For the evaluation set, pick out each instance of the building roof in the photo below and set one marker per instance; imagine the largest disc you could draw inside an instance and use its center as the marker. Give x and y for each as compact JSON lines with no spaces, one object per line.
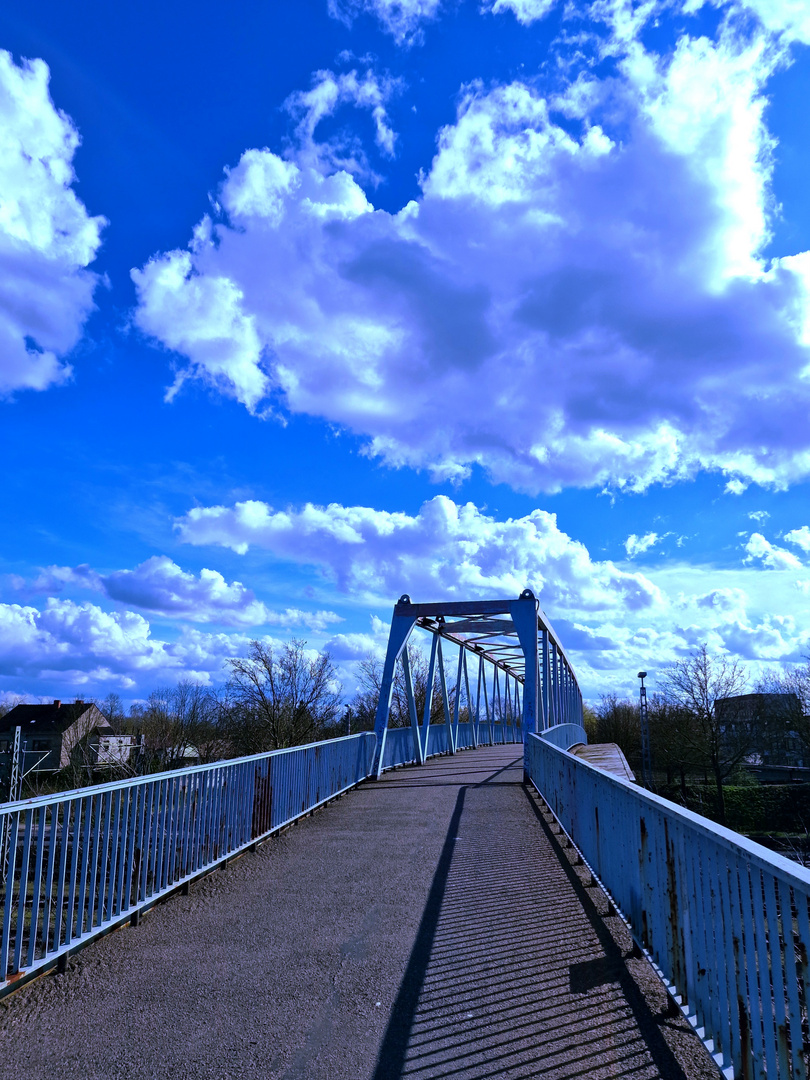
{"x":51,"y":719}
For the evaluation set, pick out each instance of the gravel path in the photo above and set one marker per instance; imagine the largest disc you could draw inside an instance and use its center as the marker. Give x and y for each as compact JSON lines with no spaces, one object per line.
{"x":424,"y":926}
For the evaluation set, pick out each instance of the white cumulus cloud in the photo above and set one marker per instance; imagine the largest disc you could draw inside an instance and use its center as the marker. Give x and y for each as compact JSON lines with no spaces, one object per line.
{"x":637,"y":545}
{"x":567,"y":303}
{"x":328,"y":92}
{"x":776,"y":558}
{"x":612,"y":622}
{"x":67,"y":637}
{"x":81,"y":645}
{"x":47,"y":238}
{"x":446,"y":550}
{"x":160,"y":585}
{"x":402,"y":19}
{"x":799,"y":537}
{"x":790,"y":18}
{"x":525,"y":11}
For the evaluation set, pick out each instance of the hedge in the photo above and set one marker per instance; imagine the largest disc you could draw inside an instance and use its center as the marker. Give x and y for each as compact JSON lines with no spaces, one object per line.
{"x":762,"y":808}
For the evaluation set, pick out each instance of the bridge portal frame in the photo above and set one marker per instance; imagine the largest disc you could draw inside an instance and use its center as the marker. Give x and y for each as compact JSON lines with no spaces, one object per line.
{"x":523,"y":647}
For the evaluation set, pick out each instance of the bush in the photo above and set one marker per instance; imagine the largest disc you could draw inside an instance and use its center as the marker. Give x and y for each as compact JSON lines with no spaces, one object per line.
{"x":766,"y":808}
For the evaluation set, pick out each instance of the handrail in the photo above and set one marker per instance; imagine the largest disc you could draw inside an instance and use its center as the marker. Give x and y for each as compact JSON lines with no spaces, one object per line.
{"x":725,"y":920}
{"x":400,"y":746}
{"x":565,"y":735}
{"x":184,"y":770}
{"x":82,"y":861}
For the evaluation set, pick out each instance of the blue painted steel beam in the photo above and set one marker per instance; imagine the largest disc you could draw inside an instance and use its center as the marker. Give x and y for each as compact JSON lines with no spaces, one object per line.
{"x":402,"y":623}
{"x":524,"y":617}
{"x":425,"y":734}
{"x":409,"y":694}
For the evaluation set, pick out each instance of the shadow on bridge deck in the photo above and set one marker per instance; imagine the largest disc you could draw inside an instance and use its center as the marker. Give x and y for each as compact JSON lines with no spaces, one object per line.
{"x":424,"y":926}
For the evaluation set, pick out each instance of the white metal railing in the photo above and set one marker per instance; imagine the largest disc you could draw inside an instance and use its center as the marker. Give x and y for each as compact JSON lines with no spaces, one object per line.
{"x":724,"y":919}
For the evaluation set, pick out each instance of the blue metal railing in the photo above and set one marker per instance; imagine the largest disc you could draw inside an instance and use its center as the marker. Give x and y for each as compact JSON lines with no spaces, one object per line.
{"x":724,"y":920}
{"x":400,"y":743}
{"x":565,"y":735}
{"x":81,"y":861}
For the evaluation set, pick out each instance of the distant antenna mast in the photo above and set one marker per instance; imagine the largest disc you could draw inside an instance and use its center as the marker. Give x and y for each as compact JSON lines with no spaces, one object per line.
{"x":646,"y":755}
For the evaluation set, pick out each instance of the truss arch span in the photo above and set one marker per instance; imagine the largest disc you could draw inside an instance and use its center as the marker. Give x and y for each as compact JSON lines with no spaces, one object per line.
{"x":512,"y":671}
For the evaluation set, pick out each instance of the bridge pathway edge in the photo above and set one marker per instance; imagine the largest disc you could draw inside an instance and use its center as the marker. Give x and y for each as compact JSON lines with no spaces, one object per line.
{"x":424,"y":926}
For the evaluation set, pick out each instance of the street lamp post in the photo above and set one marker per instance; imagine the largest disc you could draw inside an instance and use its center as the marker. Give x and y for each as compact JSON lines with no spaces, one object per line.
{"x":646,"y":755}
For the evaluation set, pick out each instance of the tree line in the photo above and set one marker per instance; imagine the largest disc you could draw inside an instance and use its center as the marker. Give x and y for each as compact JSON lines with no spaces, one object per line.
{"x":283,"y":696}
{"x":274,"y":697}
{"x":699,"y":727}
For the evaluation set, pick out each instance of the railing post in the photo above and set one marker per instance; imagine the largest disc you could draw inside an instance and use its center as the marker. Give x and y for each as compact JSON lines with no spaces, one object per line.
{"x":473,"y":716}
{"x":548,"y":723}
{"x":429,"y":699}
{"x":524,"y":618}
{"x":451,"y":746}
{"x":457,"y":702}
{"x":417,"y":737}
{"x":478,"y":700}
{"x":486,"y":704}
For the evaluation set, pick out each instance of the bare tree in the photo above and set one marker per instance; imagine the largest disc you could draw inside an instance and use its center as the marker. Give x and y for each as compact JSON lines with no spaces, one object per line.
{"x":671,"y":750}
{"x":716,"y":740}
{"x":617,"y":721}
{"x":9,"y":703}
{"x":369,"y":672}
{"x":590,"y":722}
{"x":113,"y":709}
{"x":282,"y":698}
{"x":175,"y":722}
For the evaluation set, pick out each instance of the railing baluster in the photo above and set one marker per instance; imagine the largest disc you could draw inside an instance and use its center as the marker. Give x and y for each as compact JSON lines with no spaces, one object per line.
{"x":68,"y":808}
{"x":753,"y":983}
{"x":726,"y":920}
{"x":90,"y":862}
{"x":145,"y":833}
{"x":33,"y":929}
{"x":794,"y":1015}
{"x":764,"y":973}
{"x":81,"y":829}
{"x":104,"y":860}
{"x":156,"y":846}
{"x":9,"y":927}
{"x":162,"y":825}
{"x":48,"y":898}
{"x":133,"y":845}
{"x":22,"y":895}
{"x":114,"y":846}
{"x":125,"y":799}
{"x":803,"y":954}
{"x":777,"y":975}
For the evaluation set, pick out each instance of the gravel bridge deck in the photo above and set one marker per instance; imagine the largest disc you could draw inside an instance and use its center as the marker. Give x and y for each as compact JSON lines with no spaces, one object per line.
{"x":427,"y":925}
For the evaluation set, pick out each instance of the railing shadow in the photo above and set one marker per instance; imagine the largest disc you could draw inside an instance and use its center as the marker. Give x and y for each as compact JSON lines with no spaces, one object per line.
{"x":513,"y":971}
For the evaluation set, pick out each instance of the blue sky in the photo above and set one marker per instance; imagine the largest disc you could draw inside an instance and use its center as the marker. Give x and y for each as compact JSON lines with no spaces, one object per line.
{"x":306,"y":305}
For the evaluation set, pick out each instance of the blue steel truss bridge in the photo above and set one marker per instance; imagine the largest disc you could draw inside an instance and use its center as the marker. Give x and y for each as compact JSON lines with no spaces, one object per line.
{"x":478,"y":900}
